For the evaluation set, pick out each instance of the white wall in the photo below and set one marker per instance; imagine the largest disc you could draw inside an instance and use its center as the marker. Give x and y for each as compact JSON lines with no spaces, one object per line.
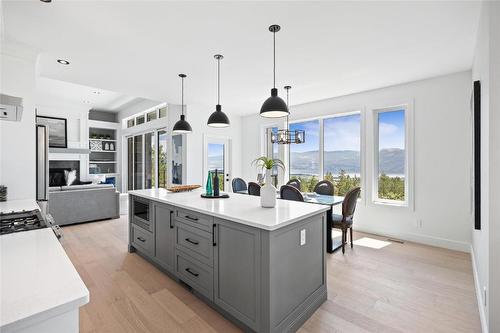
{"x":480,"y":238}
{"x":442,"y":157}
{"x":17,"y":139}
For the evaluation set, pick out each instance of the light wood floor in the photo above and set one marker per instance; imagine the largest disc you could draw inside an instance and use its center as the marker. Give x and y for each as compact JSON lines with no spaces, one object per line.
{"x":399,"y":288}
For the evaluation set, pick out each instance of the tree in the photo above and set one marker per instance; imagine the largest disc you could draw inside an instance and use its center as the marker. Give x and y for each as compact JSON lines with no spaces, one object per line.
{"x":392,"y":188}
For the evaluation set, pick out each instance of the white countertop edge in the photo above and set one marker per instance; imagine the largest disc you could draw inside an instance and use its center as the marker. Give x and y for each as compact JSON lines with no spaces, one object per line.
{"x":320,"y":210}
{"x":42,"y":316}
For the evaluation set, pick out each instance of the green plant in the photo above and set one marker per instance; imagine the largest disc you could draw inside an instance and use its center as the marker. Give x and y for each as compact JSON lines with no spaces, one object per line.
{"x":268,"y":163}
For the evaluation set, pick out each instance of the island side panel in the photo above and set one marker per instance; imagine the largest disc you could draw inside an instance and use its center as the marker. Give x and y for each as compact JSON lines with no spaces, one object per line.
{"x":297,"y":273}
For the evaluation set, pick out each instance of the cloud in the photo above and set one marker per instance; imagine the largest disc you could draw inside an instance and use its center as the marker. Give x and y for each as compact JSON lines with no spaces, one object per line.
{"x":387,"y":129}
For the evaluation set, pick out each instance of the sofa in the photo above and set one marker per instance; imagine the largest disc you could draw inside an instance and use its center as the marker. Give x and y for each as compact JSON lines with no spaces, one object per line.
{"x":83,"y":203}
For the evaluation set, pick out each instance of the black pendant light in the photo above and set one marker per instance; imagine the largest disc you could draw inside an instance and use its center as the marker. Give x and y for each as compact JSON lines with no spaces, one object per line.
{"x":286,"y":136}
{"x":274,"y":107}
{"x":218,"y":118}
{"x":182,"y":126}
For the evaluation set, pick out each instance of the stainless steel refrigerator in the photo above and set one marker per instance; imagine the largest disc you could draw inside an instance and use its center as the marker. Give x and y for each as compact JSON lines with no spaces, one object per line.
{"x":42,"y":167}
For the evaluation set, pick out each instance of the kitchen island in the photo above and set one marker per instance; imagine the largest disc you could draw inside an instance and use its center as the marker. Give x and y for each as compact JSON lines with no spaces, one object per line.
{"x":262,"y":268}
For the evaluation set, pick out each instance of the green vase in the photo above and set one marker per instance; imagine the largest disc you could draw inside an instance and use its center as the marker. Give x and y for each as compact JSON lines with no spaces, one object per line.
{"x":209,"y":187}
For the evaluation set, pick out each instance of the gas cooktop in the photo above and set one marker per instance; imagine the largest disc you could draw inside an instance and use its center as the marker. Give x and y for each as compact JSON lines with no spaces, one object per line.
{"x":21,"y":221}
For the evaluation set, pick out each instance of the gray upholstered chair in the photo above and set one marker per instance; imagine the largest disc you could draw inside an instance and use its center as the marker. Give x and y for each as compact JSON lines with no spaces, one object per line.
{"x":295,"y":183}
{"x":324,"y":187}
{"x":288,"y":192}
{"x":253,"y":189}
{"x":239,"y":185}
{"x":344,"y":221}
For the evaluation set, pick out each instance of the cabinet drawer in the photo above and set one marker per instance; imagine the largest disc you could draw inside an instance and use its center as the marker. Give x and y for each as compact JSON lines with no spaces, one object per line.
{"x":195,"y":242}
{"x":194,"y":273}
{"x":195,"y":219}
{"x":142,"y":239}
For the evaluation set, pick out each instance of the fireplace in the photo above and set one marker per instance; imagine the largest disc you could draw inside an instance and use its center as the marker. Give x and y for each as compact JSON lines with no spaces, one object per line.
{"x":56,"y":171}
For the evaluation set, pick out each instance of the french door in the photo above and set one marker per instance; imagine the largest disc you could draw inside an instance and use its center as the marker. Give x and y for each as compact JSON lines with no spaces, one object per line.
{"x":217,"y":157}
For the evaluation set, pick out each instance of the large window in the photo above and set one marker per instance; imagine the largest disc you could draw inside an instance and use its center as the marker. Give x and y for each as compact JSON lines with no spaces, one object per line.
{"x":215,"y":161}
{"x":162,"y":159}
{"x":391,"y":158}
{"x":177,"y":158}
{"x":149,"y":160}
{"x":305,"y":157}
{"x":342,"y":152}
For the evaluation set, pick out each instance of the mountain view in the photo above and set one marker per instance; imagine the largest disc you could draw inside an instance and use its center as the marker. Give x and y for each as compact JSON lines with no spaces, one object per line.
{"x":392,"y":162}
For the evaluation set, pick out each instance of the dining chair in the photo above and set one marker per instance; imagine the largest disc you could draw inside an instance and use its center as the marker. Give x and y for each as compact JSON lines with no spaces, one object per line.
{"x":239,"y":185}
{"x":295,"y":183}
{"x":324,"y":187}
{"x":289,"y":192}
{"x":253,"y":189}
{"x":345,"y":221}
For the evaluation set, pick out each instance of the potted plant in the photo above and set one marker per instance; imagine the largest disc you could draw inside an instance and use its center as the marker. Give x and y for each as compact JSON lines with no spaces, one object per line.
{"x":268,"y":191}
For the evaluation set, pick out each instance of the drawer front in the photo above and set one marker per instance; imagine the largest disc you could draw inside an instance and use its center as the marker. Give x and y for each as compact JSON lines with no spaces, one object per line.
{"x":194,"y":273}
{"x":195,"y":242}
{"x":195,"y":219}
{"x":143,"y":239}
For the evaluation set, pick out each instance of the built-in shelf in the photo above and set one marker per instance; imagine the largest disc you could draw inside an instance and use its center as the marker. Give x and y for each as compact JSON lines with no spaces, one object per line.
{"x":54,"y":150}
{"x":103,"y":151}
{"x":104,"y":174}
{"x":102,"y":161}
{"x":107,"y":140}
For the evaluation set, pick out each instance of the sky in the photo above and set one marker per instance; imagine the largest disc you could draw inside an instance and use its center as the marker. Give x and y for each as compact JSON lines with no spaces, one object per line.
{"x":215,"y":156}
{"x":343,"y":133}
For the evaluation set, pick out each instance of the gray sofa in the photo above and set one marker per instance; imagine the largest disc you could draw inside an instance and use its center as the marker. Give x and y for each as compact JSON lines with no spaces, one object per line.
{"x":83,"y":203}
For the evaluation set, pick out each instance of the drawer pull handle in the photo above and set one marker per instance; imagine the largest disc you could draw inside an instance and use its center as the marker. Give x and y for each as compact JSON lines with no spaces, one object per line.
{"x":171,"y":225}
{"x":192,"y":241}
{"x":191,"y":218}
{"x":213,"y":235}
{"x":141,"y":239}
{"x":191,"y":272}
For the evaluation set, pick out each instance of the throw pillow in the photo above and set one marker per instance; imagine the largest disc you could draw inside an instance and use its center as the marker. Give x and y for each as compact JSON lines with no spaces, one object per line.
{"x":70,"y":177}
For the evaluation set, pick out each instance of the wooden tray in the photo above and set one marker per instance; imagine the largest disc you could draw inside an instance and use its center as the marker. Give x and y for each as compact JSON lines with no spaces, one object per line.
{"x":183,"y":188}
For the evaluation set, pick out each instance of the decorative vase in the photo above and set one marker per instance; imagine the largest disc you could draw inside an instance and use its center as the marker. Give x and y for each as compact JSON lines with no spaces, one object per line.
{"x":268,"y":192}
{"x":215,"y":183}
{"x":208,"y":187}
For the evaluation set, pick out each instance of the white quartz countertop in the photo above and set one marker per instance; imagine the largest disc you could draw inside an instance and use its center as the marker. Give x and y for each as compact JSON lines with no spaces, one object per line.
{"x":18,"y":205}
{"x":37,"y":279}
{"x":240,"y":208}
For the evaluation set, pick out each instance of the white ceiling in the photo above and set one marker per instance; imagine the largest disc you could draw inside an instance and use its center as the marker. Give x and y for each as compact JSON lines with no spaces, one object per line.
{"x":325,"y":49}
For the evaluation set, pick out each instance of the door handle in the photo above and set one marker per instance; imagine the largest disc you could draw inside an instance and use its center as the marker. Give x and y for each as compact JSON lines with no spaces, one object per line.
{"x":191,"y":272}
{"x":170,"y":222}
{"x":192,"y":241}
{"x":191,"y":218}
{"x":213,"y":235}
{"x":141,"y":239}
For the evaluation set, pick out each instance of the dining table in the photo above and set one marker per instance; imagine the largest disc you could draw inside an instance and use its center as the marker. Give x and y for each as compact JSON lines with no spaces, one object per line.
{"x":321,"y":199}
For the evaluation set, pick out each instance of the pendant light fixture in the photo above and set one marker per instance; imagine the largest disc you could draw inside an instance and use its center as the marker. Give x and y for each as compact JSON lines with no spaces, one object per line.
{"x":218,"y":118}
{"x":274,"y":107}
{"x":285,"y":136}
{"x":182,"y":126}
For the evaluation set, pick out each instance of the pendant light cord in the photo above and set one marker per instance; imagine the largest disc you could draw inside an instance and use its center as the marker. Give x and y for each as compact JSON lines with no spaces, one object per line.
{"x":274,"y":59}
{"x":182,"y":95}
{"x":287,"y":105}
{"x":218,"y":80}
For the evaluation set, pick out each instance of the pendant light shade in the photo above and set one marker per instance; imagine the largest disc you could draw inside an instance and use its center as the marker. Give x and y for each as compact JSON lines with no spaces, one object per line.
{"x":274,"y":106}
{"x":182,"y":126}
{"x":218,"y":118}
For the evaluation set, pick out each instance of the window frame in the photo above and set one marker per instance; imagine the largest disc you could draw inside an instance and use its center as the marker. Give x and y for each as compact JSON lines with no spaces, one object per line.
{"x":409,"y":151}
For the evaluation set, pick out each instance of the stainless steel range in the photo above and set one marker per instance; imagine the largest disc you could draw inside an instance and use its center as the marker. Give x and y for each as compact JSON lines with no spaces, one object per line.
{"x":21,"y":221}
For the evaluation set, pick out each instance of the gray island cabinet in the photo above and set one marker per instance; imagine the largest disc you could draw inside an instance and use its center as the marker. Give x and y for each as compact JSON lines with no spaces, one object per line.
{"x":262,"y":268}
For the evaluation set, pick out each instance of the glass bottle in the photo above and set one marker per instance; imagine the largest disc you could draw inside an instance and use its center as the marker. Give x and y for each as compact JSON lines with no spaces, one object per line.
{"x":216,"y":184}
{"x":208,"y":188}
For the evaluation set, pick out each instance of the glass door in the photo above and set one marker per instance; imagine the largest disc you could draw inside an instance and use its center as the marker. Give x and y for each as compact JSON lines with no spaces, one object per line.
{"x":162,"y":159}
{"x":217,"y":158}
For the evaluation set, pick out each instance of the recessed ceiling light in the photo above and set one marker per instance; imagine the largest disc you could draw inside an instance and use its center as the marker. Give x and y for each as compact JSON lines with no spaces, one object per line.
{"x":61,"y":61}
{"x":86,"y":102}
{"x":97,"y":92}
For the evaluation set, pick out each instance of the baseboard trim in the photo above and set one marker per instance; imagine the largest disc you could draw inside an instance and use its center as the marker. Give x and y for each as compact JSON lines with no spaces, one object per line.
{"x":419,"y":238}
{"x":479,"y":293}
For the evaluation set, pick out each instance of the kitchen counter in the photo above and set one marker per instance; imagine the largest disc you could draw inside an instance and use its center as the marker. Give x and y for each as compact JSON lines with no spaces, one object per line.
{"x":40,"y":289}
{"x":18,"y":205}
{"x":244,"y":209}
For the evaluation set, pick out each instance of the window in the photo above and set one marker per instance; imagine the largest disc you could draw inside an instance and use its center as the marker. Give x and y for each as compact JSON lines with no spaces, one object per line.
{"x":149,"y":160}
{"x":163,"y":112}
{"x":391,"y":183}
{"x":305,"y":157}
{"x":177,"y":153}
{"x":152,"y":115}
{"x":272,"y":152}
{"x":215,"y":161}
{"x":162,"y":159}
{"x":139,"y":119}
{"x":130,"y":163}
{"x":137,"y":156}
{"x":130,"y":123}
{"x":341,"y":152}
